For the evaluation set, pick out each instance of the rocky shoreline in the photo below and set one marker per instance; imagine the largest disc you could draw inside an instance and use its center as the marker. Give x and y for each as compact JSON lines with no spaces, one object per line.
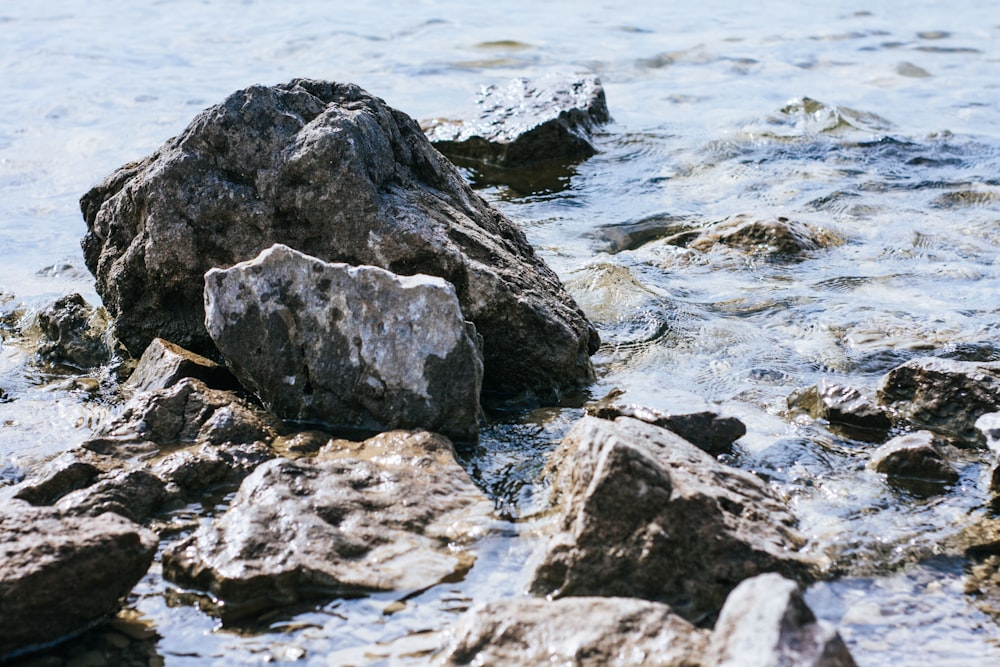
{"x":317,"y":301}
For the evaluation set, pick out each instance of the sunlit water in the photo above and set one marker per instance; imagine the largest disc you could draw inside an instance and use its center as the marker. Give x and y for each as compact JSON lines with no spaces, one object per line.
{"x":875,"y":122}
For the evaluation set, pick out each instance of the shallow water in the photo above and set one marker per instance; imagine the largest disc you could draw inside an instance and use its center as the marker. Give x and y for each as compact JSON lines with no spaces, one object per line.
{"x":876,"y":122}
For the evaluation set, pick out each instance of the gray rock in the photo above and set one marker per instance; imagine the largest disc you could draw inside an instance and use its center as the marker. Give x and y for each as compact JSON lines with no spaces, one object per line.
{"x":766,"y":623}
{"x":328,"y":169}
{"x":355,"y":347}
{"x":62,"y":574}
{"x":66,"y":473}
{"x":943,"y":395}
{"x":133,"y":494}
{"x":164,"y":364}
{"x":195,"y":470}
{"x":527,"y":121}
{"x":919,"y":456}
{"x":847,"y":410}
{"x":708,"y":431}
{"x":77,"y":334}
{"x":586,"y":632}
{"x":647,"y":514}
{"x":391,"y":513}
{"x":988,"y":426}
{"x":778,"y":239}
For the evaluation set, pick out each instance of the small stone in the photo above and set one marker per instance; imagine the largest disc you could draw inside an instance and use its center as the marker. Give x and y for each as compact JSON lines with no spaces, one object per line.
{"x":847,"y":410}
{"x":164,"y":364}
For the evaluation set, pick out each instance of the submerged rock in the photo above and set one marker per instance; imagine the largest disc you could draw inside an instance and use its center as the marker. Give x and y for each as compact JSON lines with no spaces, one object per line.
{"x":766,"y":623}
{"x":63,"y":574}
{"x":943,"y":395}
{"x":917,"y":456}
{"x":356,"y":347}
{"x":779,"y":238}
{"x":329,"y":169}
{"x":164,"y":364}
{"x":526,"y":122}
{"x":76,"y":333}
{"x":647,"y":514}
{"x":847,"y":410}
{"x":391,"y":513}
{"x":587,"y":632}
{"x":708,"y":431}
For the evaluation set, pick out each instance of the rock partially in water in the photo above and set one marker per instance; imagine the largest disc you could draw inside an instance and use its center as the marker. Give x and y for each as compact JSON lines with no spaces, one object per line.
{"x":328,"y":169}
{"x":766,"y":623}
{"x":780,"y":238}
{"x":622,"y":236}
{"x":647,"y":514}
{"x":988,"y":426}
{"x":587,"y":632}
{"x":708,"y":431}
{"x":847,"y":410}
{"x":63,"y":574}
{"x":917,"y":456}
{"x":391,"y":513}
{"x":526,"y":122}
{"x":943,"y":395}
{"x":76,"y":333}
{"x":164,"y":364}
{"x":354,"y":347}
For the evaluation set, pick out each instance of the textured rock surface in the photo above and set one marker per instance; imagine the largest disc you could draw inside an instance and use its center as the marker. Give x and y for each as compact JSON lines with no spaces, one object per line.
{"x":919,"y":456}
{"x":588,"y":632}
{"x":647,"y":514}
{"x":62,"y":574}
{"x":988,"y":426}
{"x":390,"y":513}
{"x":766,"y":623}
{"x":708,"y":431}
{"x":355,"y":347}
{"x":943,"y":395}
{"x":527,"y":121}
{"x":779,"y":238}
{"x":848,"y":411}
{"x":328,"y":169}
{"x":76,"y":333}
{"x":164,"y":364}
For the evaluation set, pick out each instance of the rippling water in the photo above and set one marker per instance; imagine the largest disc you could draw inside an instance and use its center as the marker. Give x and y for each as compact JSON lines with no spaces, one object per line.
{"x":875,"y":123}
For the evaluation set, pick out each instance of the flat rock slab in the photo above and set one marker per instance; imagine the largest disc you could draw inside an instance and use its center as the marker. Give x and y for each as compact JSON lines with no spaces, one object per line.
{"x":391,"y":513}
{"x":526,"y":122}
{"x":943,"y":395}
{"x":647,"y":514}
{"x":586,"y":632}
{"x":61,"y":574}
{"x":355,"y":347}
{"x":328,"y":169}
{"x":164,"y":364}
{"x":708,"y":431}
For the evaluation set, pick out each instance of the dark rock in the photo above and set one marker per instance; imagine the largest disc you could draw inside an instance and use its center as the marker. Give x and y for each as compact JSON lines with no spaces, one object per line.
{"x":647,"y":514}
{"x":63,"y":574}
{"x":943,"y":395}
{"x":329,"y":169}
{"x":77,"y":333}
{"x":196,"y":470}
{"x":354,"y":347}
{"x":622,"y":236}
{"x":708,"y":431}
{"x":847,"y":410}
{"x":777,"y":239}
{"x":919,"y":456}
{"x":526,"y":122}
{"x":586,"y":632}
{"x":67,"y":473}
{"x":133,"y":494}
{"x":390,"y":513}
{"x":766,"y":623}
{"x":164,"y":364}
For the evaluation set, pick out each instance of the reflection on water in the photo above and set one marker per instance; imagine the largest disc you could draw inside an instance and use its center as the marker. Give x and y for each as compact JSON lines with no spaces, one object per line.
{"x":876,"y":127}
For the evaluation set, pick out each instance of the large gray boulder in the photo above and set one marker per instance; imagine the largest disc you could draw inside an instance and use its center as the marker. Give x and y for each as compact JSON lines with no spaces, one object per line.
{"x":62,"y":574}
{"x":395,"y":512}
{"x":355,"y":347}
{"x":586,"y":632}
{"x":647,"y":514}
{"x":328,"y":169}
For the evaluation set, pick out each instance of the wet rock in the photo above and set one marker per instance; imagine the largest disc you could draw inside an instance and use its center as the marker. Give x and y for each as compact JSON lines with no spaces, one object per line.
{"x":62,"y":574}
{"x":329,"y":169}
{"x":779,"y":238}
{"x":133,"y":494}
{"x":647,"y":514}
{"x":193,"y":471}
{"x":164,"y":364}
{"x":622,"y":236}
{"x":354,"y":347}
{"x":77,"y":334}
{"x":527,"y":121}
{"x":588,"y":632}
{"x":63,"y":475}
{"x":919,"y":456}
{"x":943,"y":395}
{"x":847,"y":410}
{"x":766,"y":623}
{"x":391,"y":513}
{"x":708,"y":431}
{"x":988,"y":426}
